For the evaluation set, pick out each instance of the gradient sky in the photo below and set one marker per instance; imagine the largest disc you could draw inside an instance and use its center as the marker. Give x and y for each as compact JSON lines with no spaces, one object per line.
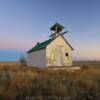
{"x":24,"y":22}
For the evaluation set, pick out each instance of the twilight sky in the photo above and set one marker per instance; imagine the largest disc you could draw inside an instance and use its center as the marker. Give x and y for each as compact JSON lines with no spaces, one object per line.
{"x":24,"y":22}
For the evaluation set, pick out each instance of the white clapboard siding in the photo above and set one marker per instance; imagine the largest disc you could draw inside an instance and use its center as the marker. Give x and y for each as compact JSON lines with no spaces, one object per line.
{"x":37,"y":58}
{"x":54,"y":47}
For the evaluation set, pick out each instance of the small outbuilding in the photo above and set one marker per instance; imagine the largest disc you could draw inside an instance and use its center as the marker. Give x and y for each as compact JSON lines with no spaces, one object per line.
{"x":56,"y":51}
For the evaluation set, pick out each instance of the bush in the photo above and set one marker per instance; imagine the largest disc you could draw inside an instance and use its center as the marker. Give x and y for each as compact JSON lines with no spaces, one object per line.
{"x":22,"y":60}
{"x":84,"y":67}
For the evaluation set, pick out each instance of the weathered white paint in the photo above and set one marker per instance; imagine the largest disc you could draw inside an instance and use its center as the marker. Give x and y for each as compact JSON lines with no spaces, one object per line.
{"x":58,"y":47}
{"x":37,"y":59}
{"x":52,"y":55}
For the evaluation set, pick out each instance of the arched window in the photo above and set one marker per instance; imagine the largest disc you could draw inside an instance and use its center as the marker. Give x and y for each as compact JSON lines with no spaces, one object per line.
{"x":52,"y":56}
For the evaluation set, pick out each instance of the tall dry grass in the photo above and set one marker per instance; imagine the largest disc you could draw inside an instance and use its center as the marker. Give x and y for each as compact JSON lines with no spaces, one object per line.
{"x":21,"y":83}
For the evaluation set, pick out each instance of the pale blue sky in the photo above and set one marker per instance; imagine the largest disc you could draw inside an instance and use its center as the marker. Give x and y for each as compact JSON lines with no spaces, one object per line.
{"x":24,"y":22}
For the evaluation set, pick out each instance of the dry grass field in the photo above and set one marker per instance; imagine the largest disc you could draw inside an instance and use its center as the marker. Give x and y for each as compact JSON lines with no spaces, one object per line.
{"x":8,"y":63}
{"x":18,"y":82}
{"x":87,"y":63}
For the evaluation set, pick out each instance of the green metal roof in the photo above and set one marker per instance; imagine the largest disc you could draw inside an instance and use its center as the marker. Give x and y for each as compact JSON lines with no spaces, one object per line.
{"x":40,"y":46}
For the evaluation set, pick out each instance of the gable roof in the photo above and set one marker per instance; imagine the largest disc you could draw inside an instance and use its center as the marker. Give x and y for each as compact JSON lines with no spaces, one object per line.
{"x":40,"y":46}
{"x":44,"y":44}
{"x":67,"y":42}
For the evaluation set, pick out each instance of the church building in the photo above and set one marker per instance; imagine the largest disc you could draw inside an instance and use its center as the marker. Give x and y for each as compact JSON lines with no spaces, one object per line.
{"x":55,"y":51}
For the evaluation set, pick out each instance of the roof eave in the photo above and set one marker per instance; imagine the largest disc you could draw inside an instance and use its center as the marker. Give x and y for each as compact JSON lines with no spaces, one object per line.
{"x":68,"y":43}
{"x":35,"y":50}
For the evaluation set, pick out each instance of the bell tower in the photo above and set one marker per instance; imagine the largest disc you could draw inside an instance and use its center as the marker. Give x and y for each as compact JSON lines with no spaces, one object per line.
{"x":56,"y":30}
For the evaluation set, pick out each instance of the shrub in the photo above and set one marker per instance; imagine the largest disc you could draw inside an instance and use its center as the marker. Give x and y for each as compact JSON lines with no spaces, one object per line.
{"x":84,"y":67}
{"x":22,"y":60}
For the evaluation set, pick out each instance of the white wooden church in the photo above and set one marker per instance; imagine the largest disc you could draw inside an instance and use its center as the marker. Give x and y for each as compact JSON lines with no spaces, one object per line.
{"x":56,"y":51}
